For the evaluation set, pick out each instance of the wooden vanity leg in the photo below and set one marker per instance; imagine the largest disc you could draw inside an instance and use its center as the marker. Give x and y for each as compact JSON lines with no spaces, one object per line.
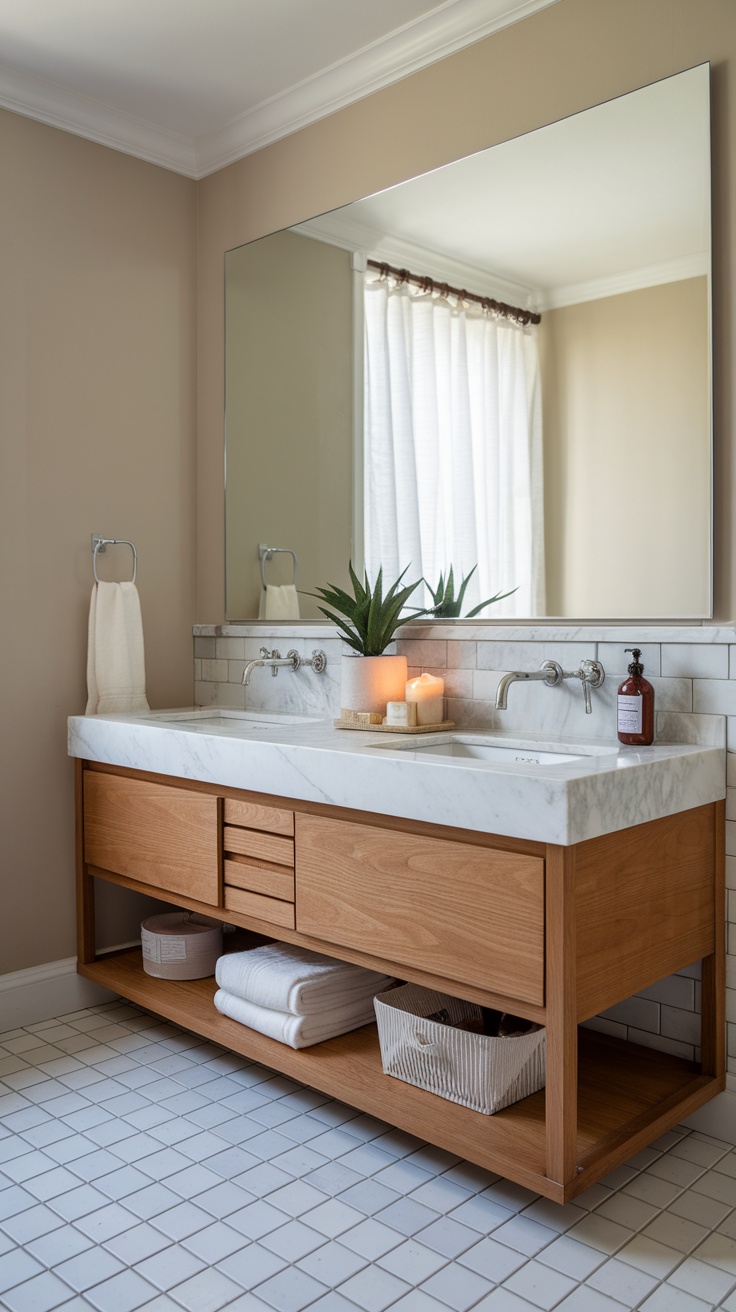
{"x":86,"y":951}
{"x":713,"y":985}
{"x":562,"y":1031}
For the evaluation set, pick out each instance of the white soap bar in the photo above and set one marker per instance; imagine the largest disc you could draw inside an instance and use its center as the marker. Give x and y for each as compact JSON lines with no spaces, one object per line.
{"x":401,"y":713}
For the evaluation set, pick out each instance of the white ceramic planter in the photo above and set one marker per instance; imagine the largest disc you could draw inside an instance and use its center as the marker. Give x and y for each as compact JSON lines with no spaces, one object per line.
{"x":369,"y":682}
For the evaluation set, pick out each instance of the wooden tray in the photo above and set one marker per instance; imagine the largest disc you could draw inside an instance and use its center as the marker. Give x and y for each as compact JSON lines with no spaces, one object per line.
{"x":395,"y":728}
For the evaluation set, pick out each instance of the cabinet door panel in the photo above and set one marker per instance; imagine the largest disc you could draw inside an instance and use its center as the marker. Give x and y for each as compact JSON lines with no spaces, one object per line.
{"x":469,"y":913}
{"x":166,"y":837}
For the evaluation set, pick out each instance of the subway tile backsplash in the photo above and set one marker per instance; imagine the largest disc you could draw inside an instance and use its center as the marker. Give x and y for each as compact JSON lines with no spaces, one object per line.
{"x":692,"y":669}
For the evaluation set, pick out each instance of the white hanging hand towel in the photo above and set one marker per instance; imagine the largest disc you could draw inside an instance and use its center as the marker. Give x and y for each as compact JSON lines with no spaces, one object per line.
{"x":116,"y":676}
{"x":279,"y":602}
{"x":284,"y":977}
{"x":296,"y":1031}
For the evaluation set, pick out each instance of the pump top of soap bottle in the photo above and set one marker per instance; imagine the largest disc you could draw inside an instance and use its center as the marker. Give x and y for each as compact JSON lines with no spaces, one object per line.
{"x":636,"y":668}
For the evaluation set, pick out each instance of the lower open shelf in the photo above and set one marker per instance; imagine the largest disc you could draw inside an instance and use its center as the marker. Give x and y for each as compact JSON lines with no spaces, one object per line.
{"x":627,"y":1094}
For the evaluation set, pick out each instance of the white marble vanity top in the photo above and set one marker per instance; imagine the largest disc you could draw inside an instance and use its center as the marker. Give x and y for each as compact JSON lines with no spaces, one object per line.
{"x":610,"y":789}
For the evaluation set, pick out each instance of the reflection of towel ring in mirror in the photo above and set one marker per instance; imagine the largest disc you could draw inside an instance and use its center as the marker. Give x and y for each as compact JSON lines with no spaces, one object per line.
{"x":267,"y":553}
{"x":99,"y":544}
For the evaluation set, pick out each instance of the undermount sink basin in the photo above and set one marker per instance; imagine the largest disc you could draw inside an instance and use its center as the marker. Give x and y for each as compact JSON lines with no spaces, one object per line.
{"x":231,"y":719}
{"x":472,"y":749}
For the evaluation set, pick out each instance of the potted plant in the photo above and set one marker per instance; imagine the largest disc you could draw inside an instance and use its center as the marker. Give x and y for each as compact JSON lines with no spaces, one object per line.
{"x":368,"y":621}
{"x":449,"y":607}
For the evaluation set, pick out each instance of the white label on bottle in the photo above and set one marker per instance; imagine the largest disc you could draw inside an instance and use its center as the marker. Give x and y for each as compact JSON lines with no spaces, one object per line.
{"x":630,"y":714}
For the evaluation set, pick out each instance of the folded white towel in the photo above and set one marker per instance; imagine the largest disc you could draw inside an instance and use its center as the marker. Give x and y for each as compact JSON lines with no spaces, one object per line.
{"x":116,"y":677}
{"x":293,"y":979}
{"x":296,"y":1031}
{"x":279,"y":602}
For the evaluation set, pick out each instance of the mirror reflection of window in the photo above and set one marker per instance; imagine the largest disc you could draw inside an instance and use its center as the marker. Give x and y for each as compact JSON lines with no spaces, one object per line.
{"x":452,"y":442}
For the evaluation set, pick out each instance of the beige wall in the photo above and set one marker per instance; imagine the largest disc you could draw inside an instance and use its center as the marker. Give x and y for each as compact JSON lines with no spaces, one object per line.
{"x":289,"y":416}
{"x":569,"y":56}
{"x":626,"y":423}
{"x":97,"y":394}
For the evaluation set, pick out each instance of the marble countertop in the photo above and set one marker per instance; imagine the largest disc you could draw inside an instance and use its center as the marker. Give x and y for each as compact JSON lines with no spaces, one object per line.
{"x":611,"y":789}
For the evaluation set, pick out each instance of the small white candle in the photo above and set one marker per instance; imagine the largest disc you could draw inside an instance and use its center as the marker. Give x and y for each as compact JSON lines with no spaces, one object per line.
{"x":428,"y":692}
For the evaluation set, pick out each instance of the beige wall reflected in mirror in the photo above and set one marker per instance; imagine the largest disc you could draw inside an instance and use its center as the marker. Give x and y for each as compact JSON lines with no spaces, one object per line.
{"x":602,"y":222}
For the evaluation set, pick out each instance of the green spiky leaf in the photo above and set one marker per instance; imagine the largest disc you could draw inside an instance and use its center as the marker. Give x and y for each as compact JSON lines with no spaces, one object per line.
{"x":368,"y":620}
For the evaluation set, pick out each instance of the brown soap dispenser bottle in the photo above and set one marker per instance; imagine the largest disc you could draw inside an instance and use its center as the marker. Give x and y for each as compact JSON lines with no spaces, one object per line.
{"x":635,"y":706}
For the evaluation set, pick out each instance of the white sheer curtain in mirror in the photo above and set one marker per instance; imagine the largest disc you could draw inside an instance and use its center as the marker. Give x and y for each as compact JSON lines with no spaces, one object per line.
{"x":452,"y":446}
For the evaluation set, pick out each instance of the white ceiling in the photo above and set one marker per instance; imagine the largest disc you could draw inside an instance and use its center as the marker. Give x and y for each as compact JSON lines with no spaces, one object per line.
{"x":195,"y":84}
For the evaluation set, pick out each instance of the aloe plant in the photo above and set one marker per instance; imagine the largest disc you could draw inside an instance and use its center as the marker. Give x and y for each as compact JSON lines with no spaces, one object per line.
{"x":447,"y":606}
{"x":368,"y":619}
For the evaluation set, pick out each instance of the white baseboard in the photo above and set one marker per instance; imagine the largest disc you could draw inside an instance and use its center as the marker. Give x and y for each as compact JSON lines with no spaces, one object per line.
{"x":44,"y":992}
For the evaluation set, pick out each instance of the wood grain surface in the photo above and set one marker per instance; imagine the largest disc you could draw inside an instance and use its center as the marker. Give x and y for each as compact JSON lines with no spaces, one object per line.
{"x":472,"y":914}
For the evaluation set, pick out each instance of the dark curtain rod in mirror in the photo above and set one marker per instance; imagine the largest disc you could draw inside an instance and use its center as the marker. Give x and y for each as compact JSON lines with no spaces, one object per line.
{"x":428,"y":284}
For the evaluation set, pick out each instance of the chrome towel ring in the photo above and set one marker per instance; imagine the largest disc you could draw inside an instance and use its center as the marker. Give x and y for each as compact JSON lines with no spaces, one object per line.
{"x":100,"y":544}
{"x":267,"y":553}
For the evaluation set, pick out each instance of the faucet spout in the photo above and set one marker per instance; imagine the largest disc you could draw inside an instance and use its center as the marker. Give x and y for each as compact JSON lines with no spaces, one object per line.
{"x":273,"y":660}
{"x":591,"y":675}
{"x":549,"y":672}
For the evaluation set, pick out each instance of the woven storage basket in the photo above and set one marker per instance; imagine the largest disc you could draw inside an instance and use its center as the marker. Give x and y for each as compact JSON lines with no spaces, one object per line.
{"x":472,"y":1069}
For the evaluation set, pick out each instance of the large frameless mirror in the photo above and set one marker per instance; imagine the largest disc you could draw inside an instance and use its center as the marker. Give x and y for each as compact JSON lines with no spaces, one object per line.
{"x":395,"y":422}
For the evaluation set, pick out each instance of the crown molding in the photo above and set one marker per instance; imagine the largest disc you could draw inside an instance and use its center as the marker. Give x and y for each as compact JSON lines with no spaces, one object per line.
{"x":459,"y":23}
{"x":452,"y":27}
{"x":631,"y":280}
{"x":48,"y":102}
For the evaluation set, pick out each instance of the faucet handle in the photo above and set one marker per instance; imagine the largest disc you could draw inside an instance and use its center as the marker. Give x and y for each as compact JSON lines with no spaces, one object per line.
{"x":592,"y":675}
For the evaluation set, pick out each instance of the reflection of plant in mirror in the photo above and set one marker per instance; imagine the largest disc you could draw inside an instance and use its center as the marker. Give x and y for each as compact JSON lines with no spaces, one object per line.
{"x":368,"y":620}
{"x":449,"y":607}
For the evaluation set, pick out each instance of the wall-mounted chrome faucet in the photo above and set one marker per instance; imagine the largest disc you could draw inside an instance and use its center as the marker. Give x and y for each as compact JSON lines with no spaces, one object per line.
{"x":275,"y":661}
{"x":590,"y":673}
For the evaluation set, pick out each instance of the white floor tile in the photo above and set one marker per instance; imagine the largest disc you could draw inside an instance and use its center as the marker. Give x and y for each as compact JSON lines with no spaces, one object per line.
{"x":40,"y":1294}
{"x":651,"y":1256}
{"x":623,"y":1282}
{"x":206,"y":1292}
{"x":412,"y":1261}
{"x":88,"y":1268}
{"x":456,"y":1287}
{"x":540,"y":1285}
{"x":332,"y":1263}
{"x":669,"y":1299}
{"x":169,"y":1267}
{"x":143,"y":1168}
{"x":123,"y":1293}
{"x":492,"y":1260}
{"x":374,"y":1290}
{"x":292,"y":1241}
{"x":703,"y":1280}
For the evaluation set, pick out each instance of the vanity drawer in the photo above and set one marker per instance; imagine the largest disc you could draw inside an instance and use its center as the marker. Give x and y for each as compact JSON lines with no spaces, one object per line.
{"x":267,"y":847}
{"x":259,"y":862}
{"x":272,"y":880}
{"x":155,"y":834}
{"x":473,"y":914}
{"x":269,"y":909}
{"x":271,"y":819}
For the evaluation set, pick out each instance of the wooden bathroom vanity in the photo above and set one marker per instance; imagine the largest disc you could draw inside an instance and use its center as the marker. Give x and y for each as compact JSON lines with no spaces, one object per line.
{"x":553,"y":933}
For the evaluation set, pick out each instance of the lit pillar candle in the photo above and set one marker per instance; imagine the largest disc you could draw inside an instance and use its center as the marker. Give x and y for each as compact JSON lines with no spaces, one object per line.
{"x":428,"y":692}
